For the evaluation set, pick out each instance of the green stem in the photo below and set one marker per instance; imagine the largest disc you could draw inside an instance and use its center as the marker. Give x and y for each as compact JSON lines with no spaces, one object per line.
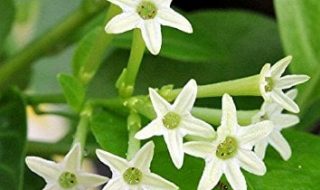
{"x":83,"y":126}
{"x":97,"y":51}
{"x":126,"y":87}
{"x":43,"y":44}
{"x":248,"y":86}
{"x":48,"y":99}
{"x":134,"y":125}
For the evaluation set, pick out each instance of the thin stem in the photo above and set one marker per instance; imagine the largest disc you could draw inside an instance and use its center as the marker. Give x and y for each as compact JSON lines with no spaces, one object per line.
{"x":248,"y":86}
{"x":38,"y":111}
{"x":43,"y":44}
{"x":83,"y":126}
{"x":134,"y":125}
{"x":47,"y":98}
{"x":126,"y":87}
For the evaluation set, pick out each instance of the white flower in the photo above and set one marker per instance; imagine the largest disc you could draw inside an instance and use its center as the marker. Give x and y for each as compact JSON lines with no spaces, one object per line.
{"x":273,"y":112}
{"x":134,"y":174}
{"x":175,"y":121}
{"x":65,"y":175}
{"x":148,"y":15}
{"x":230,"y":151}
{"x":272,"y":84}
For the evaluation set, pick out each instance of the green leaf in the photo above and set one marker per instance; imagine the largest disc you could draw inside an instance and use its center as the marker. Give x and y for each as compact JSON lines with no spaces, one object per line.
{"x":12,"y":141}
{"x":111,"y":132}
{"x":298,"y":21}
{"x":7,"y":13}
{"x":73,"y":90}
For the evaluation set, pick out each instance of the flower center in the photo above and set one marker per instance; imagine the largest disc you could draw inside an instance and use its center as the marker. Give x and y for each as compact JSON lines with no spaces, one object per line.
{"x":132,"y":176}
{"x":147,"y":10}
{"x":67,"y":180}
{"x":227,"y":149}
{"x":171,"y":120}
{"x":270,"y":84}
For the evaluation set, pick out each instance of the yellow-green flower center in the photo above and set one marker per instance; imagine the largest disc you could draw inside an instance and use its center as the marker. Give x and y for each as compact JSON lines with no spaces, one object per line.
{"x":270,"y":84}
{"x":132,"y":176}
{"x":147,"y":10}
{"x":67,"y":180}
{"x":171,"y":120}
{"x":227,"y":149}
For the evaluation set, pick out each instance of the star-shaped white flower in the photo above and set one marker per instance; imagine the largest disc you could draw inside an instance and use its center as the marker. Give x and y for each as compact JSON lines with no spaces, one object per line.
{"x":272,"y":84}
{"x":230,"y":151}
{"x":148,"y":15}
{"x":175,"y":121}
{"x":273,"y":113}
{"x":134,"y":174}
{"x":66,"y":175}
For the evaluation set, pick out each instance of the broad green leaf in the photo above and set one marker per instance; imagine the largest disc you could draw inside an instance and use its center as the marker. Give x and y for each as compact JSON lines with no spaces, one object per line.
{"x":73,"y":90}
{"x":7,"y":13}
{"x":12,"y":141}
{"x":110,"y":131}
{"x":299,"y":28}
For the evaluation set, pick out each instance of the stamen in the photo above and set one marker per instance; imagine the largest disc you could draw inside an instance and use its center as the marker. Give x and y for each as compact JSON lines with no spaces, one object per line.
{"x":68,"y":180}
{"x":227,"y":149}
{"x":132,"y":176}
{"x":147,"y":10}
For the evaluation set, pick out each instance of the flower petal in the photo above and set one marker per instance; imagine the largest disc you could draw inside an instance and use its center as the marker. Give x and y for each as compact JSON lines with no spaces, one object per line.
{"x":144,"y":156}
{"x":279,"y":67}
{"x":229,"y":113}
{"x":280,"y":144}
{"x":169,"y":17}
{"x":175,"y":146}
{"x":292,"y":94}
{"x":234,"y":176}
{"x":197,"y":127}
{"x":123,"y":23}
{"x":252,"y":134}
{"x":50,"y":187}
{"x":116,"y":184}
{"x":116,"y":164}
{"x":91,"y":180}
{"x":251,"y":162}
{"x":72,"y":161}
{"x":186,"y":98}
{"x":160,"y":105}
{"x":261,"y":148}
{"x":151,"y":34}
{"x":49,"y":170}
{"x":156,"y":182}
{"x":199,"y":149}
{"x":163,"y":3}
{"x":285,"y":120}
{"x":211,"y":175}
{"x":124,"y":4}
{"x":283,"y":100}
{"x":291,"y":80}
{"x":152,"y":129}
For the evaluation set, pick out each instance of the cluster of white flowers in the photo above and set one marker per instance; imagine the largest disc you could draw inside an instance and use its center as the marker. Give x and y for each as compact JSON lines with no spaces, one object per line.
{"x":225,"y":152}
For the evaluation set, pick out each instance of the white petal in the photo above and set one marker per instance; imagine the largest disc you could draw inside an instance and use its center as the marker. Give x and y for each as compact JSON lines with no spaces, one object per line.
{"x":197,"y":127}
{"x":252,"y":134}
{"x":116,"y":184}
{"x":291,"y":80}
{"x":279,"y":67}
{"x":116,"y":164}
{"x":160,"y":105}
{"x":211,"y":175}
{"x":151,"y":33}
{"x":292,"y":94}
{"x":155,"y":182}
{"x":124,"y":4}
{"x":175,"y":146}
{"x":163,"y":4}
{"x":50,"y":187}
{"x":143,"y":157}
{"x":285,"y":120}
{"x":261,"y":148}
{"x":251,"y":162}
{"x":199,"y":149}
{"x":229,"y":113}
{"x":72,"y":161}
{"x":186,"y":98}
{"x":169,"y":17}
{"x":264,"y":74}
{"x":123,"y":23}
{"x":234,"y":176}
{"x":49,"y":170}
{"x":280,"y":144}
{"x":91,"y":180}
{"x":283,"y":100}
{"x":152,"y":129}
